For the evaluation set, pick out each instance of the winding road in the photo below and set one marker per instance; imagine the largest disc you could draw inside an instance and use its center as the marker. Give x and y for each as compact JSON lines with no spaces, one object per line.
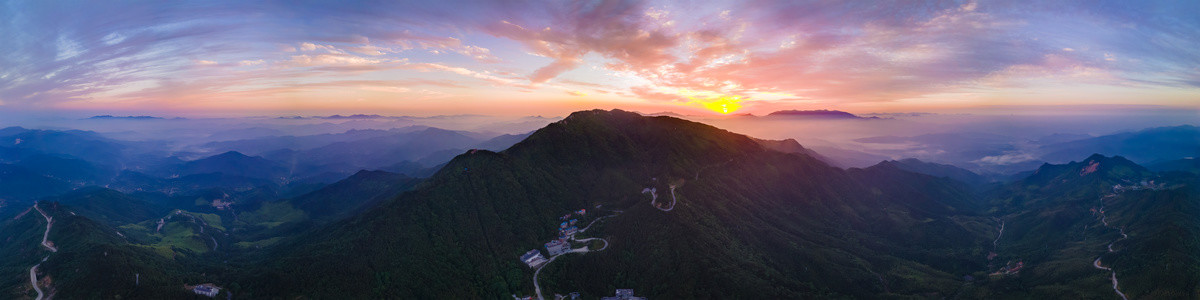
{"x":537,"y":288}
{"x":673,"y":200}
{"x":654,"y":198}
{"x":1096,"y":263}
{"x":998,"y":235}
{"x":653,"y":194}
{"x":33,"y":280}
{"x":46,"y":236}
{"x":594,"y":222}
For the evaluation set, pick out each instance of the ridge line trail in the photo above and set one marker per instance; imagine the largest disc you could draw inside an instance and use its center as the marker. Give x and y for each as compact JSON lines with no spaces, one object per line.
{"x":46,"y":236}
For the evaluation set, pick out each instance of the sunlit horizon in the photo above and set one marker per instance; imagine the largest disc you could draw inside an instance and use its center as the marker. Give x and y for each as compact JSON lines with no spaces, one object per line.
{"x":233,"y":58}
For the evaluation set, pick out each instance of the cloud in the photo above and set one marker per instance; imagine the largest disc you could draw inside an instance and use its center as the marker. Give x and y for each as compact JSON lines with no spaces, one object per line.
{"x":618,"y":30}
{"x":331,"y":59}
{"x":1006,"y":159}
{"x":826,"y":52}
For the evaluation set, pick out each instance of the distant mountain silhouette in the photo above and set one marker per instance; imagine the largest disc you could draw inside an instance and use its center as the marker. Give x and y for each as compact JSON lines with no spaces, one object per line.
{"x":1144,"y":146}
{"x":816,"y":114}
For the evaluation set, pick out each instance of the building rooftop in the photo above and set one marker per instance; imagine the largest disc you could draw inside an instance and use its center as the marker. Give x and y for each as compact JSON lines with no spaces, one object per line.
{"x":531,"y":254}
{"x":623,"y":294}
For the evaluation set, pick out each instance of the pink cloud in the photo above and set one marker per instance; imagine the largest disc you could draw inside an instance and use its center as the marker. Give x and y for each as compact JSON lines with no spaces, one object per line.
{"x":613,"y":29}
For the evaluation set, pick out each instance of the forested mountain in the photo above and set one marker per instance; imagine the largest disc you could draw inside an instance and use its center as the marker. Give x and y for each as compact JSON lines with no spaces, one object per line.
{"x":1143,"y":146}
{"x":792,"y":146}
{"x":19,"y":183}
{"x":354,"y":194}
{"x":670,"y":208}
{"x":940,"y":170}
{"x":88,"y":260}
{"x":1068,"y":223}
{"x":230,"y":163}
{"x":109,"y":206}
{"x":777,"y":225}
{"x":1190,"y":165}
{"x":76,"y":143}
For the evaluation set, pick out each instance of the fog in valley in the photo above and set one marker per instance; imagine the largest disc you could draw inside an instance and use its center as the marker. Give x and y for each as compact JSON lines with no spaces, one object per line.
{"x":997,"y":144}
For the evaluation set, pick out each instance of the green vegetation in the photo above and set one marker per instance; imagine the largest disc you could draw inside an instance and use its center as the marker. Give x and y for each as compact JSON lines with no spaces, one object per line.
{"x":749,"y":223}
{"x":272,"y":214}
{"x":1054,"y":226}
{"x":753,"y":219}
{"x":92,"y":260}
{"x":259,"y":243}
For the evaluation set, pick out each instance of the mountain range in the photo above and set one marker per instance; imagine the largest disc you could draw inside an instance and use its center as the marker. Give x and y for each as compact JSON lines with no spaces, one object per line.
{"x":671,"y":208}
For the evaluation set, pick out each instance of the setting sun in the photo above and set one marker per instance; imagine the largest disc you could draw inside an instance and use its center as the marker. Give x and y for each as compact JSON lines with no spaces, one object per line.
{"x":456,"y":149}
{"x":723,"y":104}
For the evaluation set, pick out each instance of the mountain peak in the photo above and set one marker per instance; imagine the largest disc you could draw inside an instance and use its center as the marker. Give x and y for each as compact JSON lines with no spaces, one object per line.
{"x":1115,"y":168}
{"x":374,"y":173}
{"x":12,"y":130}
{"x":601,"y":114}
{"x":229,"y":155}
{"x":817,"y":114}
{"x":623,"y":137}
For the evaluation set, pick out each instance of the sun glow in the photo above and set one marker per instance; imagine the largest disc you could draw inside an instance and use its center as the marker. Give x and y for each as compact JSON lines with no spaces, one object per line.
{"x":722,"y":104}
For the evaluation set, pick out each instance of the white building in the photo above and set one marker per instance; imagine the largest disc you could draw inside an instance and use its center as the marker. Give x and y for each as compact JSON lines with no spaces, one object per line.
{"x":207,"y":290}
{"x":533,"y":258}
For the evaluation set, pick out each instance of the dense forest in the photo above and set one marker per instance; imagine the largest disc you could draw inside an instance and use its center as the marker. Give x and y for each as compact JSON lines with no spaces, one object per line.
{"x":681,"y":210}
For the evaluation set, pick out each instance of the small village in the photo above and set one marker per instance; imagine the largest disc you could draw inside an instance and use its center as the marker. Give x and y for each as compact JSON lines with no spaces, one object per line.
{"x":561,"y":245}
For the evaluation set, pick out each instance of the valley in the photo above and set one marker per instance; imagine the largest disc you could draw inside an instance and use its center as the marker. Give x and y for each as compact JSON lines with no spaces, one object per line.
{"x":753,"y":221}
{"x":599,"y":149}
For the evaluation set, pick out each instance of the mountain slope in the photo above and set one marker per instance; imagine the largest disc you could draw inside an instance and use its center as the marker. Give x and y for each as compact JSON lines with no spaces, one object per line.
{"x":792,"y":146}
{"x":1144,"y":146}
{"x":354,"y":194}
{"x":92,"y":260}
{"x":18,"y":183}
{"x":109,"y":206}
{"x":775,"y":225}
{"x":817,"y":114}
{"x":232,"y":163}
{"x":68,"y":169}
{"x":86,"y":145}
{"x":501,"y":142}
{"x":940,"y":170}
{"x":1189,"y":164}
{"x":1065,"y":219}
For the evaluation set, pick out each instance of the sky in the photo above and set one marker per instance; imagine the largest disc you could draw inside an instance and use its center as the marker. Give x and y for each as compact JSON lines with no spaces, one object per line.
{"x":510,"y":57}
